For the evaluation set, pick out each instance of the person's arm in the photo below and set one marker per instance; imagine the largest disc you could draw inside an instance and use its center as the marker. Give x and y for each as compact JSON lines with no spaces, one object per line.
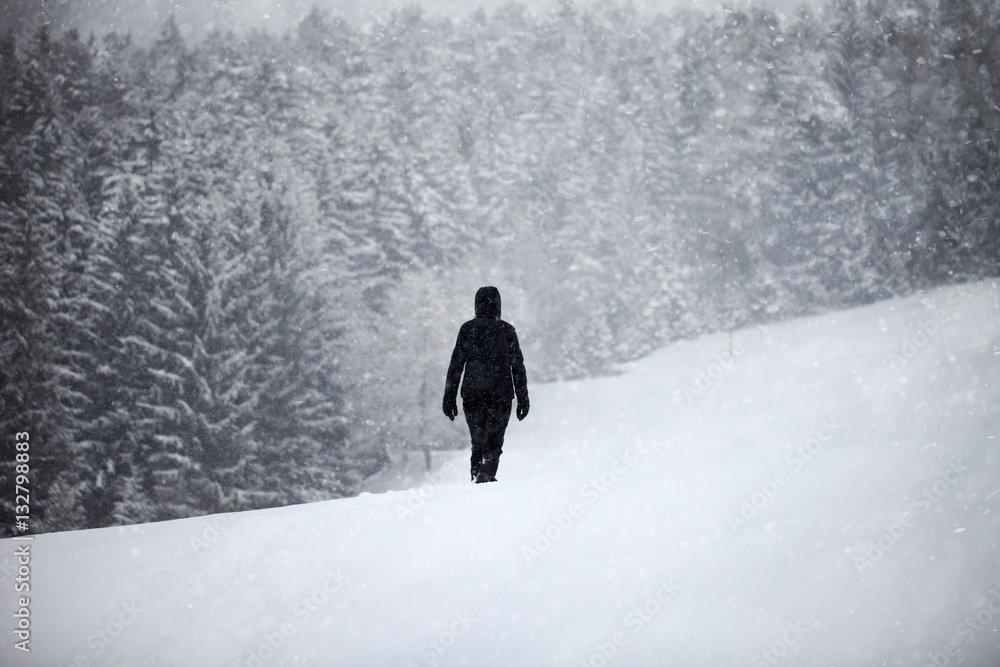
{"x":453,"y":379}
{"x":519,"y":376}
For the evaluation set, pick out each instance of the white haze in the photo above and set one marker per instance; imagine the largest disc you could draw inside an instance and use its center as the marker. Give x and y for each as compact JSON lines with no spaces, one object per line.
{"x":143,"y":19}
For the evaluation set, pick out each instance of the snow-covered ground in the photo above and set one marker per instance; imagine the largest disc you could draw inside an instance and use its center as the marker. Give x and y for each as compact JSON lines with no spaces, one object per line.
{"x":824,"y":491}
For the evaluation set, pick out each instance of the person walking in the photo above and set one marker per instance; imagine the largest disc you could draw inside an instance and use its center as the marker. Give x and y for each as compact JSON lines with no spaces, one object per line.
{"x":487,"y":360}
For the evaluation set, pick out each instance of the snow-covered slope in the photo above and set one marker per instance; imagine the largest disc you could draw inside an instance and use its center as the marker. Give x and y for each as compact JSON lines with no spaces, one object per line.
{"x":824,"y":491}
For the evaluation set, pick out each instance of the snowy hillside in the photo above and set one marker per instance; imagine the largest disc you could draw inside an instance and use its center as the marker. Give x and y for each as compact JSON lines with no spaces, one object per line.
{"x":824,"y":491}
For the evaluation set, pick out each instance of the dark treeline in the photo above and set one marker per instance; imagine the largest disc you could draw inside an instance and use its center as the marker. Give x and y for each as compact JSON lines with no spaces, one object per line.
{"x":229,"y":268}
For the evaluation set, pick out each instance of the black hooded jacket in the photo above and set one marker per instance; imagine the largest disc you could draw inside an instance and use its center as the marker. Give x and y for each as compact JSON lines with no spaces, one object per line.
{"x":488,"y":352}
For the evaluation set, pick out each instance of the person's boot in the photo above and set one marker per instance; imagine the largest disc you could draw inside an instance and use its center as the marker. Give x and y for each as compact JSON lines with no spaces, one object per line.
{"x":488,"y":470}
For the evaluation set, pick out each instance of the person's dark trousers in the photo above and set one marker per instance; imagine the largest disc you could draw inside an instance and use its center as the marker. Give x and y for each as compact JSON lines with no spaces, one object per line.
{"x":487,"y":424}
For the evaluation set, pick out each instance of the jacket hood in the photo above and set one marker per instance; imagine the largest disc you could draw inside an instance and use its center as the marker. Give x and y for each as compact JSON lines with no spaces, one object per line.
{"x":488,"y":302}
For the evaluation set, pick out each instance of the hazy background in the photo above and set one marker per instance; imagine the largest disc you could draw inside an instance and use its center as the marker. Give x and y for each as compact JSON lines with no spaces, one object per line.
{"x":143,"y":18}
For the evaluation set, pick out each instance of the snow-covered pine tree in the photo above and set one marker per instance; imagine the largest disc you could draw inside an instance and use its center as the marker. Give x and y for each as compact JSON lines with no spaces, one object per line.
{"x":811,"y":224}
{"x":148,"y":320}
{"x":962,"y":116}
{"x":47,"y":239}
{"x":863,"y":64}
{"x":665,"y":302}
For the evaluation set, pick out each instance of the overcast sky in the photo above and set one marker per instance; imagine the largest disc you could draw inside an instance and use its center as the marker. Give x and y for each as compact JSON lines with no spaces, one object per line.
{"x":196,"y":17}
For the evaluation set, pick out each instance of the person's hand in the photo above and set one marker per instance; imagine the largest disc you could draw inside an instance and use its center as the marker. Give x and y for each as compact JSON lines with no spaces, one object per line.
{"x":522,"y":409}
{"x":450,"y":408}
